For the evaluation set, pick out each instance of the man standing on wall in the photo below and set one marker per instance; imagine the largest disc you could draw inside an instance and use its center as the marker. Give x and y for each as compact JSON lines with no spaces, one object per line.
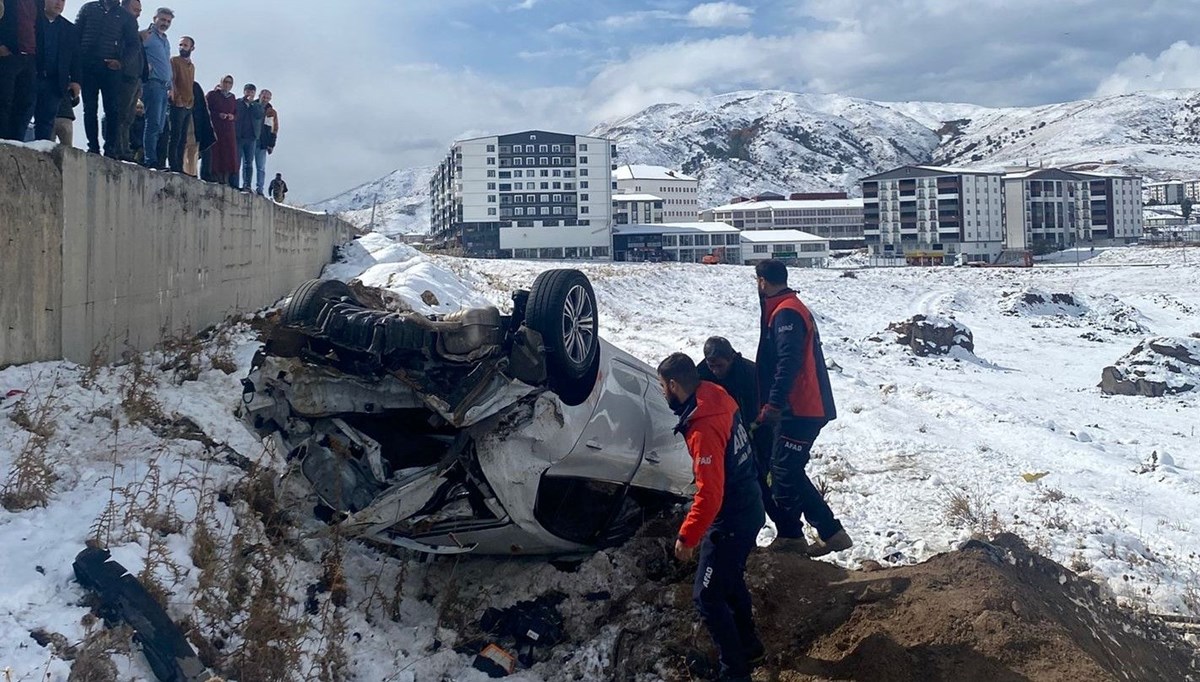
{"x":133,"y":72}
{"x":107,"y":37}
{"x":183,"y":98}
{"x":58,"y":68}
{"x":797,"y":403}
{"x":726,"y":512}
{"x":18,"y":65}
{"x":249,"y":123}
{"x":157,"y":84}
{"x":266,"y":139}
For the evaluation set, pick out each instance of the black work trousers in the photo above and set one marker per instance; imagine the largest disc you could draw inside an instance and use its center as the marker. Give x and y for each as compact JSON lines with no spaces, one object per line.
{"x":17,"y":75}
{"x":721,"y":596}
{"x":180,"y":121}
{"x":795,"y":497}
{"x":101,"y":81}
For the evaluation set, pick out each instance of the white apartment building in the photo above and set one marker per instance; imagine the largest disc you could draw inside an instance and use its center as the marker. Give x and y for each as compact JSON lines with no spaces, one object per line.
{"x":838,"y":220}
{"x":796,"y":248}
{"x":632,"y":209}
{"x":1049,"y":208}
{"x":929,"y":215}
{"x":679,"y":192}
{"x":1170,"y":192}
{"x":534,"y":194}
{"x":677,"y":242}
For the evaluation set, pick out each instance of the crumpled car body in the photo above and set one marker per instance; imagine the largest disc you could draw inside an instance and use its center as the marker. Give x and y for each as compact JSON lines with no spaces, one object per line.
{"x":473,"y":432}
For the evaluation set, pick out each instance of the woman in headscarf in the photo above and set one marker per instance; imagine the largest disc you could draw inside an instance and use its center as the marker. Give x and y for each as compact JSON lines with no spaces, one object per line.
{"x":222,"y":107}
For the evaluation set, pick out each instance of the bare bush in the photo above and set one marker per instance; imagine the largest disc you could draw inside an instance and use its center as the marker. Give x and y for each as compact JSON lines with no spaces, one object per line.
{"x":970,"y":510}
{"x":31,"y":479}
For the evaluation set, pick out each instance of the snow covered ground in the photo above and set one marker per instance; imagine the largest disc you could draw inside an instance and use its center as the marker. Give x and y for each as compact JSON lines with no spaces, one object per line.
{"x":925,"y":450}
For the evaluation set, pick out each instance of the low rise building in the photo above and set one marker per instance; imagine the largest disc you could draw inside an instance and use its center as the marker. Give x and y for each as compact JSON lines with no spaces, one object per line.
{"x":840,"y":221}
{"x":677,"y":242}
{"x":931,"y":215}
{"x":796,"y":248}
{"x":680,"y":193}
{"x":634,"y":208}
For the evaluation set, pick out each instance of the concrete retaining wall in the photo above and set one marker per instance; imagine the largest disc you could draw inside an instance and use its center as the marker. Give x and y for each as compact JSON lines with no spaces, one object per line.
{"x":112,"y":256}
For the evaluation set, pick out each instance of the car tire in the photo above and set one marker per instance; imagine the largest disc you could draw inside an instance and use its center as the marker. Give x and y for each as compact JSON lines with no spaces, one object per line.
{"x":562,"y":308}
{"x":309,"y":298}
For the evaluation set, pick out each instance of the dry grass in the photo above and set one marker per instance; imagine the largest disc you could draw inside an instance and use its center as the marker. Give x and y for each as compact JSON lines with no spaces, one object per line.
{"x":971,"y":510}
{"x":139,"y":394}
{"x":31,"y":479}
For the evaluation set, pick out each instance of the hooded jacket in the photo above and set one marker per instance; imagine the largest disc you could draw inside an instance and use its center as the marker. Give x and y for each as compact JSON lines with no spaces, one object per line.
{"x":791,"y":365}
{"x":727,"y":491}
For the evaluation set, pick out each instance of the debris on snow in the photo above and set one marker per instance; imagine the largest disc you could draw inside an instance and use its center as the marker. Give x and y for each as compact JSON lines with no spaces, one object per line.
{"x":1155,"y":368}
{"x":929,"y":335}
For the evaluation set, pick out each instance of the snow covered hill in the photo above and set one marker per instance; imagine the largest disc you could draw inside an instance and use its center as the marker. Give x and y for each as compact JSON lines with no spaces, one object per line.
{"x":400,"y":200}
{"x":754,"y":141}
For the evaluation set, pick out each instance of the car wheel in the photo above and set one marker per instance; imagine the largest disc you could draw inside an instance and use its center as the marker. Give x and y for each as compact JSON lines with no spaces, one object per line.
{"x":562,"y":308}
{"x":309,"y":298}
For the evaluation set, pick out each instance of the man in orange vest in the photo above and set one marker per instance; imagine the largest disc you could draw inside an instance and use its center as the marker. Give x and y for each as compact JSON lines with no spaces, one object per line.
{"x":797,"y":403}
{"x":727,"y":512}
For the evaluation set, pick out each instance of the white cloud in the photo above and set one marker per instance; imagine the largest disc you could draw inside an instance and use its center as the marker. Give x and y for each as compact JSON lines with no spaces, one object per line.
{"x":1176,"y":67}
{"x":524,"y":4}
{"x":720,"y":15}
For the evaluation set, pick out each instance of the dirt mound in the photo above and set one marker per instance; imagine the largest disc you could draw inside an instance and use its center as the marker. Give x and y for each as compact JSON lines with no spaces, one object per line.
{"x":987,"y":612}
{"x":927,"y":335}
{"x":1106,"y":312}
{"x":1155,"y":368}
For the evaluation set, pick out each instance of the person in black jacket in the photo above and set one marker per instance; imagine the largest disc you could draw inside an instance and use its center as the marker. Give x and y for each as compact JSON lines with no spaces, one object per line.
{"x":19,"y":46}
{"x":797,"y":403}
{"x":739,"y":377}
{"x":108,"y":38}
{"x":58,"y":68}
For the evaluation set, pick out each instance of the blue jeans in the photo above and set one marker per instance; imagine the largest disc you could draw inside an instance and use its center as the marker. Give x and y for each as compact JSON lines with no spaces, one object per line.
{"x":247,"y":150}
{"x":260,"y":168}
{"x":154,"y":98}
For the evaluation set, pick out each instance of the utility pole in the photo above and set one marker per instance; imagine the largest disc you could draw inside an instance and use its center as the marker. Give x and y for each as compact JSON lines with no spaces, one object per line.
{"x":374,"y":202}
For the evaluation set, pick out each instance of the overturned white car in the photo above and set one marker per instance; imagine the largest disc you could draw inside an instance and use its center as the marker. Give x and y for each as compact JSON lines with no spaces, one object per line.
{"x":476,"y":431}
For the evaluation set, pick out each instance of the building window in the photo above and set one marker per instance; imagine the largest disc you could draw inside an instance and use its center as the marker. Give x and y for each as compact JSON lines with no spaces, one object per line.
{"x":491,"y":174}
{"x":543,"y":161}
{"x":758,"y":248}
{"x":504,"y":174}
{"x":557,"y":185}
{"x":545,"y":185}
{"x":529,"y":160}
{"x":558,"y":210}
{"x":583,"y":197}
{"x":491,"y":211}
{"x":543,"y":148}
{"x":516,"y":161}
{"x":491,"y":161}
{"x":545,"y":198}
{"x":491,"y":185}
{"x":504,"y":149}
{"x":583,"y":172}
{"x":583,"y":184}
{"x":583,"y":147}
{"x":531,"y":198}
{"x":544,"y":173}
{"x":491,"y":147}
{"x":519,"y":211}
{"x":584,"y":209}
{"x":556,"y":174}
{"x":519,"y":185}
{"x":518,"y":174}
{"x":583,"y":159}
{"x":545,"y":210}
{"x":556,"y":148}
{"x":491,"y":198}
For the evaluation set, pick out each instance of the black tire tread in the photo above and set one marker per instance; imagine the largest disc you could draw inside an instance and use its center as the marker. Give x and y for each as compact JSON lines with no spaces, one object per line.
{"x":309,"y":297}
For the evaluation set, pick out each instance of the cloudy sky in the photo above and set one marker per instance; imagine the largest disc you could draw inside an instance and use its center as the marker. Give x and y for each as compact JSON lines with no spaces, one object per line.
{"x":369,"y":86}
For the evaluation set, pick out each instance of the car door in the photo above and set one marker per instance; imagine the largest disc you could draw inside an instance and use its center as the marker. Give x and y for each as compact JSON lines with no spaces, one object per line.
{"x":611,"y":444}
{"x":666,"y":465}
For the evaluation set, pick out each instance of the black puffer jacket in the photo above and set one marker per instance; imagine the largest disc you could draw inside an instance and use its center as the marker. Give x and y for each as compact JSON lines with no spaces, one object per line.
{"x":106,"y":31}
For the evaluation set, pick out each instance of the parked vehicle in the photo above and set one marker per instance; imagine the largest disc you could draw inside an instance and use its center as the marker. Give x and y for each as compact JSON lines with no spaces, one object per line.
{"x":475,"y":431}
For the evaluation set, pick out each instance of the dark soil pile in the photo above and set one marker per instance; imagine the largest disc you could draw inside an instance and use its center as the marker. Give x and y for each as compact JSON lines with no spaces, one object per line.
{"x":990,"y":611}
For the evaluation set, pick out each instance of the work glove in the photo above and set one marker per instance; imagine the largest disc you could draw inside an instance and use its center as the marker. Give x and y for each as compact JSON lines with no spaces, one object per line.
{"x":769,"y":414}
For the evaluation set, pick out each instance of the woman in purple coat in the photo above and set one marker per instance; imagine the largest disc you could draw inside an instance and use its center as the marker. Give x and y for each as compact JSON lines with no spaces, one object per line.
{"x":222,"y":107}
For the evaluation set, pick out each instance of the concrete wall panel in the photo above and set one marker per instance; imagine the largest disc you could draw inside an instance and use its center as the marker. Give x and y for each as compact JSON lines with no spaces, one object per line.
{"x":31,"y":209}
{"x":126,"y":256}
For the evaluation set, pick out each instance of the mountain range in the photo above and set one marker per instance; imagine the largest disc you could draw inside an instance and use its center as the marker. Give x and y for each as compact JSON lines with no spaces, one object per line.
{"x":743,"y":143}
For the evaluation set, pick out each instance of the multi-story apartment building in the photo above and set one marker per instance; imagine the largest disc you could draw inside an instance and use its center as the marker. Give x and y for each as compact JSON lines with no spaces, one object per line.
{"x":1048,"y":208}
{"x":534,"y":194}
{"x":1170,"y":192}
{"x":838,"y":220}
{"x":934,"y":215}
{"x":680,"y":193}
{"x":638,"y":208}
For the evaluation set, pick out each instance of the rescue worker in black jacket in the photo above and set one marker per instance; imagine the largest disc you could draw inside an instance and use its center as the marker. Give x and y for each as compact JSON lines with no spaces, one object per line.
{"x":727,"y":368}
{"x":797,"y":403}
{"x":726,"y":512}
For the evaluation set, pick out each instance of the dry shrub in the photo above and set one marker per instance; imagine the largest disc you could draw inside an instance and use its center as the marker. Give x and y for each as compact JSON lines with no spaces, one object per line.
{"x":139,"y":399}
{"x":970,"y":510}
{"x":31,"y":480}
{"x":271,"y":647}
{"x":94,"y":661}
{"x":96,"y":361}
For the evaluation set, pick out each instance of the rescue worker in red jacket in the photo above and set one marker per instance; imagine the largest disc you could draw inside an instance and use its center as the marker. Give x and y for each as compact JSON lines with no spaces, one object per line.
{"x":797,"y":403}
{"x":726,"y":513}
